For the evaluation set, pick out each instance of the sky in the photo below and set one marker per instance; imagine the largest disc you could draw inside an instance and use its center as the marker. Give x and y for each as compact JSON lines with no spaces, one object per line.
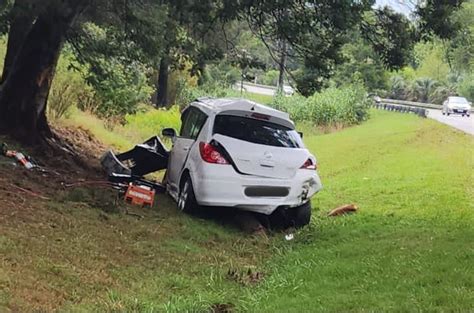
{"x":403,"y":6}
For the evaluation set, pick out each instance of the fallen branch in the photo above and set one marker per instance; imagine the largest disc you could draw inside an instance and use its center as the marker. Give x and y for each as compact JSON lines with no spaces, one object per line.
{"x":31,"y":193}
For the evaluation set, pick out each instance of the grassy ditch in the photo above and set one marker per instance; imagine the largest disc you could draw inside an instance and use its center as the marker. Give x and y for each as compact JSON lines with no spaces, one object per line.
{"x":409,"y":248}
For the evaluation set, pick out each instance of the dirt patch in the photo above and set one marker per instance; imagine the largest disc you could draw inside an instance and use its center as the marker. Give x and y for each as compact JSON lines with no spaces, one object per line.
{"x":245,"y":277}
{"x":222,"y":308}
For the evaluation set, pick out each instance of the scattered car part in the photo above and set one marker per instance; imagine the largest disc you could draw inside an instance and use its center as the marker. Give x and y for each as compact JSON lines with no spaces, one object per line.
{"x":143,"y":159}
{"x":139,"y":194}
{"x":20,"y":157}
{"x":344,"y":209}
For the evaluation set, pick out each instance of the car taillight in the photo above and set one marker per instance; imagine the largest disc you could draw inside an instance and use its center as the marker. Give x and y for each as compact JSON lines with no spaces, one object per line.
{"x":210,"y":154}
{"x":309,"y":165}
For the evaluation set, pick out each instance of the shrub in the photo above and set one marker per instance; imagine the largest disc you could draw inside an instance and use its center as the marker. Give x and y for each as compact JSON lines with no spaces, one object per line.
{"x":333,"y":106}
{"x":466,"y":87}
{"x":68,"y":89}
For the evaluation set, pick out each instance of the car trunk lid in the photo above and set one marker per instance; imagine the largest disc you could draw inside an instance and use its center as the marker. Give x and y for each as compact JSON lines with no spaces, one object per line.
{"x":261,"y":160}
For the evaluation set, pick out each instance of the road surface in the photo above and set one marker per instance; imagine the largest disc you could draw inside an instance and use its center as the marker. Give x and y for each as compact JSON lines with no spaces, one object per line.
{"x":259,"y":89}
{"x":466,"y":124}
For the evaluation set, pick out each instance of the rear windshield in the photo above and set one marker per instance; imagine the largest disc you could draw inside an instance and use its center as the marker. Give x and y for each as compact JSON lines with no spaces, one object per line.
{"x":256,"y":131}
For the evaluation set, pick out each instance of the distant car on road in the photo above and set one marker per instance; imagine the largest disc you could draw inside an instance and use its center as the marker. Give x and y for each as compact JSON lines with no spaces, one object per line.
{"x":456,"y":105}
{"x":237,"y":153}
{"x":288,"y":90}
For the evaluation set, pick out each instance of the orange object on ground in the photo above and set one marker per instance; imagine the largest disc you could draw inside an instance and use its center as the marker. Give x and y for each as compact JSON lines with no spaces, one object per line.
{"x":348,"y":208}
{"x":140,"y":195}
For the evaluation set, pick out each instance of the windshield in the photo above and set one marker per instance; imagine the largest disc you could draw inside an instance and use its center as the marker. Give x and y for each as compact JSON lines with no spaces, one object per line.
{"x":458,"y":100}
{"x":257,"y":131}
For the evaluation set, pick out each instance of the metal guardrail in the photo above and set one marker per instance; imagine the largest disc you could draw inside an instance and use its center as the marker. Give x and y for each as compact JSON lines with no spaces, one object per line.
{"x":412,"y":104}
{"x":384,"y":105}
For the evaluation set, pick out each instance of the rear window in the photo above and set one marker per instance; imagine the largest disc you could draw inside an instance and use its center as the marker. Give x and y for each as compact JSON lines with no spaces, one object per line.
{"x":256,"y":131}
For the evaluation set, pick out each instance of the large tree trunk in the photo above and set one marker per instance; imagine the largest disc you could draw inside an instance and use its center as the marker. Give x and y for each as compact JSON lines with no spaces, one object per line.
{"x":25,"y":90}
{"x":162,"y":87}
{"x":22,"y":17}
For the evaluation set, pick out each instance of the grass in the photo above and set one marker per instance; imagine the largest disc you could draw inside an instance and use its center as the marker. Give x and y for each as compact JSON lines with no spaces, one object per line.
{"x":409,"y":248}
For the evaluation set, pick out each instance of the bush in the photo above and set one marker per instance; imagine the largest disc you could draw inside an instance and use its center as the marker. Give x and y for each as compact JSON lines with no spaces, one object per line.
{"x":333,"y":106}
{"x":68,"y":89}
{"x":466,"y":87}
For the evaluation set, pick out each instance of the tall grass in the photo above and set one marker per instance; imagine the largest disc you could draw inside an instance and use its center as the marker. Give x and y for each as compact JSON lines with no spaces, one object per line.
{"x":331,"y":107}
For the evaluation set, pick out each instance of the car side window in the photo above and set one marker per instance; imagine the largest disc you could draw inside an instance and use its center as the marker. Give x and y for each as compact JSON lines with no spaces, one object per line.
{"x":193,"y":121}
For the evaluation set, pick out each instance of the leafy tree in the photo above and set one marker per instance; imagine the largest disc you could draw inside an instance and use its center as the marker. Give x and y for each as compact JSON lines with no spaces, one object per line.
{"x":422,"y":88}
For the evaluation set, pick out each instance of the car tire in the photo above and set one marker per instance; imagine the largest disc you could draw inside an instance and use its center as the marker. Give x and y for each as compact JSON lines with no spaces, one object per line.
{"x":444,"y":113}
{"x":186,"y":198}
{"x":448,"y":114}
{"x":302,"y":215}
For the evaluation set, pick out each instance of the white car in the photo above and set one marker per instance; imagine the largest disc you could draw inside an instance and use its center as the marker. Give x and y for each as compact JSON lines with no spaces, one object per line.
{"x":288,"y":90}
{"x":456,"y":105}
{"x":237,"y":153}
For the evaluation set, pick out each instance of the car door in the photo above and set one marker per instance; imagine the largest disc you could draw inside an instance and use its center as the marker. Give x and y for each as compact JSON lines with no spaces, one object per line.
{"x":192,"y":121}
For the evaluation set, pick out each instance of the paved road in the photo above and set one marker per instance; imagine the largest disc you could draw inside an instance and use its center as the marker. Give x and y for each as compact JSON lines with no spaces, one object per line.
{"x":269,"y":91}
{"x":466,"y":124}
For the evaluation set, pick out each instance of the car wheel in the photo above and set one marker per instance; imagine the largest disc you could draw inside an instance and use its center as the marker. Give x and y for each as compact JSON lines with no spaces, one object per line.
{"x":302,"y":215}
{"x":448,"y":114}
{"x":444,"y":113}
{"x":463,"y":115}
{"x":186,"y":199}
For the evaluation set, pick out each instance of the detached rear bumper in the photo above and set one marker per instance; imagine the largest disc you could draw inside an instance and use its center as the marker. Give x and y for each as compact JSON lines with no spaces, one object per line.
{"x":221,"y":185}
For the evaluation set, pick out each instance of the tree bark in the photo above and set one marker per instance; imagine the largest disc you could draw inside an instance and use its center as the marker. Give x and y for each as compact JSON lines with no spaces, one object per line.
{"x":24,"y":93}
{"x":162,"y":87}
{"x":281,"y":66}
{"x":22,"y":16}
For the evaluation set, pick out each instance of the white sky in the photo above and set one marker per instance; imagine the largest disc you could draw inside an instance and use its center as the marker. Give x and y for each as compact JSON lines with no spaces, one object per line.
{"x":403,"y":6}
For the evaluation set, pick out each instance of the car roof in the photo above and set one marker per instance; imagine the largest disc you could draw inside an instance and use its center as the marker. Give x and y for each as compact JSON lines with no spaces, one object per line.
{"x":218,"y":105}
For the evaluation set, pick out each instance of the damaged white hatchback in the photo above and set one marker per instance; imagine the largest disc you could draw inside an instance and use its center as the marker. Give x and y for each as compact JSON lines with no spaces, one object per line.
{"x":237,"y":153}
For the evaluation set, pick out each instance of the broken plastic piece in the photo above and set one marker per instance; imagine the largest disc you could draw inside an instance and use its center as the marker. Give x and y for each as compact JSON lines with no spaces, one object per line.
{"x":144,"y":158}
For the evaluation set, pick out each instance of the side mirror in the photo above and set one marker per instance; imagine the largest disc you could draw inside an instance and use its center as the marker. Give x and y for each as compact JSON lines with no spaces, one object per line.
{"x":168,"y":132}
{"x":301,"y":134}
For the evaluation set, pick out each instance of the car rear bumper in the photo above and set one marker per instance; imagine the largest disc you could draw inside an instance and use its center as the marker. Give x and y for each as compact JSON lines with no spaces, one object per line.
{"x":221,"y":185}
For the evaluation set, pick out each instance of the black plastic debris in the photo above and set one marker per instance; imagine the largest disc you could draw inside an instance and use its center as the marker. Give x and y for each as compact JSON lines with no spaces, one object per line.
{"x":145,"y":158}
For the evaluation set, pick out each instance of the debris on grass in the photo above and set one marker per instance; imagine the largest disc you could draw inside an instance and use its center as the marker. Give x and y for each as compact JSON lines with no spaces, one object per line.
{"x":344,"y":209}
{"x":222,"y":308}
{"x":245,"y":277}
{"x":18,"y":156}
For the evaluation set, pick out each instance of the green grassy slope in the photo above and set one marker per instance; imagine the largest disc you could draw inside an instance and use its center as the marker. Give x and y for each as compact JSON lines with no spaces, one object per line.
{"x":409,"y":248}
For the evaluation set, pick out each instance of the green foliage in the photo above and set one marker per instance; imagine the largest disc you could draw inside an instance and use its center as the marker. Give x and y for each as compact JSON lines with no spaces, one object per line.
{"x":361,"y":63}
{"x":121,"y":83}
{"x":430,"y":60}
{"x":152,"y":122}
{"x":331,"y":107}
{"x":391,"y":35}
{"x":69,"y":89}
{"x":466,"y":87}
{"x":422,"y":88}
{"x":269,"y":78}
